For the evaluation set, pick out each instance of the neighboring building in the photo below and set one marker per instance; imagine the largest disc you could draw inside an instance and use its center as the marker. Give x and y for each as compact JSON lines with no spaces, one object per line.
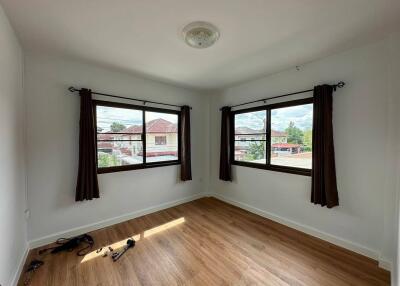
{"x":161,"y":141}
{"x":285,"y":148}
{"x":246,"y":133}
{"x":105,"y":146}
{"x":278,"y":141}
{"x":278,"y":137}
{"x":280,"y":145}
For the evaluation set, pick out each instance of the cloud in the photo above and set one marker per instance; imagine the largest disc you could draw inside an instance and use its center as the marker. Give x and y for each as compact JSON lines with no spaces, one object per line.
{"x":107,"y":115}
{"x":128,"y":117}
{"x":253,"y":120}
{"x":301,"y":116}
{"x":280,"y":118}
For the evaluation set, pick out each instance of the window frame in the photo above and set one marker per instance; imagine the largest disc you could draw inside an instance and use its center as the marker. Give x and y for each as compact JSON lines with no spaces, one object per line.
{"x":144,"y":164}
{"x":267,"y":166}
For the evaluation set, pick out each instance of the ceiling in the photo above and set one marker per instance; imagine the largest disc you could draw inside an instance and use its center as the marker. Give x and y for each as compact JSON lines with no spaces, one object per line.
{"x":258,"y":37}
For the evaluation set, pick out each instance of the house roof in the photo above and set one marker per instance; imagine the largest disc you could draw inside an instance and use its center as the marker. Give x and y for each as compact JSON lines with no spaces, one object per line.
{"x":275,"y":133}
{"x":104,"y":136}
{"x":103,"y":144}
{"x":154,"y":126}
{"x":247,"y":130}
{"x":285,"y":145}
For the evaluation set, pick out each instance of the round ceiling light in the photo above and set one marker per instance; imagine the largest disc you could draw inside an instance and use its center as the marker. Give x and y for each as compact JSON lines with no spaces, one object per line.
{"x":200,"y":35}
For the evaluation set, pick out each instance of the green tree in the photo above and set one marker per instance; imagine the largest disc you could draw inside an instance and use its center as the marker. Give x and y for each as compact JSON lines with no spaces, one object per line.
{"x":107,"y":160}
{"x":117,"y":127}
{"x":308,"y":140}
{"x":295,"y":135}
{"x":256,"y":151}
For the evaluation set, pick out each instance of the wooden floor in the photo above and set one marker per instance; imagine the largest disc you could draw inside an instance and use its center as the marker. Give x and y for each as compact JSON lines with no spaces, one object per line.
{"x":208,"y":242}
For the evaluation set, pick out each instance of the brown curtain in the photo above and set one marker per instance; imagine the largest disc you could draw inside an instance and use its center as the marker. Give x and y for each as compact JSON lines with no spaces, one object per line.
{"x":186,"y":162}
{"x":225,"y":172}
{"x":87,"y":186}
{"x":324,"y":188}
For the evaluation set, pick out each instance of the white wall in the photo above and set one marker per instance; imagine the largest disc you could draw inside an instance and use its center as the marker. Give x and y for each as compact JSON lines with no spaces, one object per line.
{"x":362,"y":134}
{"x":12,"y":168}
{"x":52,"y":135}
{"x":395,"y":101}
{"x":365,"y":141}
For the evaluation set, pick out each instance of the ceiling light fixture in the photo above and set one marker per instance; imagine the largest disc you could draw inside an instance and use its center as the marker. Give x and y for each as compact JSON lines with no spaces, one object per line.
{"x":200,"y":35}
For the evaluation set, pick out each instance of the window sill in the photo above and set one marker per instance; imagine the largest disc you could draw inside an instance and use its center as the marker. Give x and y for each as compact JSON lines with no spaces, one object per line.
{"x":136,"y":167}
{"x":275,"y":168}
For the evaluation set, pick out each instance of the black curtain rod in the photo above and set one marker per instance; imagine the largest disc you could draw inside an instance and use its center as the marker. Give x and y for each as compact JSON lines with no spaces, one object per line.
{"x":340,"y":84}
{"x":73,"y":89}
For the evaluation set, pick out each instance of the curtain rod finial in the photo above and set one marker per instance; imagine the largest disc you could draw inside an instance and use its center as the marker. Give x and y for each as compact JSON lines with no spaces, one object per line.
{"x":341,"y":84}
{"x":72,"y":89}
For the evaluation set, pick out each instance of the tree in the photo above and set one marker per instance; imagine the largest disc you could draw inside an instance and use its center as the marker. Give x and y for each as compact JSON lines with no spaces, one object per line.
{"x":107,"y":160}
{"x":308,"y":140}
{"x":256,"y":151}
{"x":295,"y":135}
{"x":117,"y":127}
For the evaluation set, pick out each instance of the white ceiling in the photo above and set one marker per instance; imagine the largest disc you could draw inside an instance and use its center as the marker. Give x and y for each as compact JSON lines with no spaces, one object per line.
{"x":258,"y":37}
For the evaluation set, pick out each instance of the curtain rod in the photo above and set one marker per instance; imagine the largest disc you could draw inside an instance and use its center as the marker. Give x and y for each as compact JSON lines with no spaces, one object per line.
{"x":340,"y":84}
{"x":73,"y":89}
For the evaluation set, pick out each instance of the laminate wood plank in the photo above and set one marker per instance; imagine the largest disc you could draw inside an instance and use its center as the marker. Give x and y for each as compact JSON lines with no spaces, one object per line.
{"x":209,"y":242}
{"x":319,"y":260}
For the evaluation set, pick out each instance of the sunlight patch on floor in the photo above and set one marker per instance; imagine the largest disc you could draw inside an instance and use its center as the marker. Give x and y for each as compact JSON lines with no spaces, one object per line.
{"x":163,"y":227}
{"x":120,"y":244}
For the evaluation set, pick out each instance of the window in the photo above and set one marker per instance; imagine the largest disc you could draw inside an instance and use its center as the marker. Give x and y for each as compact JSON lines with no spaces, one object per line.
{"x":291,"y":136}
{"x":250,"y":137}
{"x":275,"y":137}
{"x":161,"y":127}
{"x":134,"y":137}
{"x":160,"y":140}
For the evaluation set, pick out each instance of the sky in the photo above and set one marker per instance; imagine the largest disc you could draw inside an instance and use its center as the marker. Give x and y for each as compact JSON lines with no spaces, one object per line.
{"x":280,"y":118}
{"x":128,"y":117}
{"x":253,"y":120}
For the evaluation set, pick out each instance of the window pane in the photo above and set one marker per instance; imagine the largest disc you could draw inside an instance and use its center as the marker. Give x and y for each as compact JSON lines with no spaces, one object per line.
{"x":291,"y":136}
{"x":250,"y":151}
{"x":161,"y":137}
{"x":250,"y":123}
{"x":119,"y":153}
{"x":118,"y":120}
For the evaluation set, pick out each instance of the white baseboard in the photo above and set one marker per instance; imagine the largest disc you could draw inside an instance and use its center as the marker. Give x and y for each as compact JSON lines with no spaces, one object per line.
{"x":311,"y":231}
{"x":20,"y":267}
{"x":303,"y":228}
{"x":385,"y":264}
{"x":108,"y":222}
{"x":208,"y":194}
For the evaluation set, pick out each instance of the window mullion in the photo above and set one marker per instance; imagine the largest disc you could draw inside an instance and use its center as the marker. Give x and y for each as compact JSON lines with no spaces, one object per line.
{"x":268,"y":141}
{"x":144,"y":136}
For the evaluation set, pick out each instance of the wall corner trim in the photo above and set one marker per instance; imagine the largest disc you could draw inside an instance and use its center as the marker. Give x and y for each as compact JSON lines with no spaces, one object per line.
{"x":20,"y":267}
{"x":385,"y":264}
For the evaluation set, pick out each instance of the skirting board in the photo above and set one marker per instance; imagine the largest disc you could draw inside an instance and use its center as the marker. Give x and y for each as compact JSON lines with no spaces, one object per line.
{"x":383,"y":263}
{"x":18,"y":271}
{"x":108,"y":222}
